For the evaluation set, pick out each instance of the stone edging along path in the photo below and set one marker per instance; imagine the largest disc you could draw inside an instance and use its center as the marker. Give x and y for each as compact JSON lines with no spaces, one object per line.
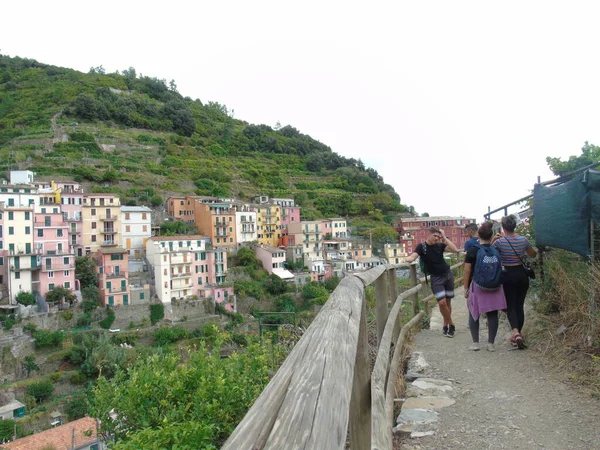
{"x":507,"y":399}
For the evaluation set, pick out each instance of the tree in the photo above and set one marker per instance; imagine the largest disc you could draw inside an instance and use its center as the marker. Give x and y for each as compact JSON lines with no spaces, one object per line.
{"x":247,"y":258}
{"x":40,"y":391}
{"x":384,"y":235}
{"x":589,"y":154}
{"x":60,"y":293}
{"x":7,"y":429}
{"x":25,"y":298}
{"x":85,"y":272}
{"x":29,"y":365}
{"x":275,"y":285}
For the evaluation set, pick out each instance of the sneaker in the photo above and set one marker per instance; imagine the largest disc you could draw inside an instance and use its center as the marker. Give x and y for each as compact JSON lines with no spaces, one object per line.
{"x":474,"y":346}
{"x":520,"y":341}
{"x":445,"y":331}
{"x":513,"y":340}
{"x":490,"y":347}
{"x":451,"y":330}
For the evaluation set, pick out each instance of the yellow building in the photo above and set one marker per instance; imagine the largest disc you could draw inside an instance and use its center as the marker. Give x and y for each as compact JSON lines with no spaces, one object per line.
{"x":101,"y":221}
{"x":268,"y":224}
{"x":395,"y":253}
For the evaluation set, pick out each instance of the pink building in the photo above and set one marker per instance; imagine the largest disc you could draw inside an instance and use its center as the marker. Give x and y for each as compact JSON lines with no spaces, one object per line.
{"x":413,"y":230}
{"x":289,"y":214}
{"x":51,"y":242}
{"x":112,"y":276}
{"x":273,"y":261}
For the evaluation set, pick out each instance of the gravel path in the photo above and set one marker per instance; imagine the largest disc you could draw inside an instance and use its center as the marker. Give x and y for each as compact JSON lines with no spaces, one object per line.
{"x":508,"y":399}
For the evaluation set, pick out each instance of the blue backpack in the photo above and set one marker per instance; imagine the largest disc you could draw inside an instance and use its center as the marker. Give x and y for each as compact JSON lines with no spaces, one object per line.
{"x":488,"y":268}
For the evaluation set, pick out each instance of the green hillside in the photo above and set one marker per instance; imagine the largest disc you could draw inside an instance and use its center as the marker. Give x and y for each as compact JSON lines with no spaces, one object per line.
{"x":138,"y":137}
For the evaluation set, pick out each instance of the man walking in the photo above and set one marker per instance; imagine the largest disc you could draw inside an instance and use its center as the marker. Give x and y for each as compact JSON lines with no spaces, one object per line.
{"x":471,"y":231}
{"x":442,"y":281}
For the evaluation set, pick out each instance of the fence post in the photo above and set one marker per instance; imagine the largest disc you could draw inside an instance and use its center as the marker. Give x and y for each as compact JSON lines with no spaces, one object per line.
{"x":360,"y":403}
{"x":413,"y":282}
{"x":381,"y":307}
{"x":393,"y":295}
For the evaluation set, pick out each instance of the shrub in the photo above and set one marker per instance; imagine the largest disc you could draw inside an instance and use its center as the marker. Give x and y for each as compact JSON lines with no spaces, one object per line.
{"x":67,"y":315}
{"x":240,"y":339}
{"x":77,"y":407}
{"x":124,"y":338}
{"x":30,"y":327}
{"x":55,"y":377}
{"x":88,"y":306}
{"x":40,"y":391}
{"x":48,"y":338}
{"x":157,"y":312}
{"x":78,"y":378}
{"x":7,"y":429}
{"x":164,"y":336}
{"x":108,"y":321}
{"x":9,"y":321}
{"x":77,"y":354}
{"x":84,"y":320}
{"x":60,"y":293}
{"x":25,"y":298}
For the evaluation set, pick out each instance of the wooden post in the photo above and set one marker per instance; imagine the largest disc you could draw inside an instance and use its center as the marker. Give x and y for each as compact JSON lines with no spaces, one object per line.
{"x":413,"y":283}
{"x":393,"y":295}
{"x":360,"y":402}
{"x":381,"y":307}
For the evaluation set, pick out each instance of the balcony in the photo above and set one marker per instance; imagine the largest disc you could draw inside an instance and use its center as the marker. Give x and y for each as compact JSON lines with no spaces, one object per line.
{"x":21,"y":252}
{"x":108,"y":218}
{"x":14,"y":268}
{"x":116,"y":275}
{"x":116,"y":290}
{"x":53,"y":267}
{"x":108,"y":243}
{"x":181,"y":274}
{"x":243,"y":220}
{"x":40,"y":222}
{"x":109,"y":231}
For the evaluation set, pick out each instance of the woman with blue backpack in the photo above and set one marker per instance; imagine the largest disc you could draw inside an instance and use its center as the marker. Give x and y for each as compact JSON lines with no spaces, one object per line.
{"x":483,"y":286}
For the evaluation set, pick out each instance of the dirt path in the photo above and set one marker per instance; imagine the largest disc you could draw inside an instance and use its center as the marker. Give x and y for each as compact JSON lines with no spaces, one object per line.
{"x":508,"y":399}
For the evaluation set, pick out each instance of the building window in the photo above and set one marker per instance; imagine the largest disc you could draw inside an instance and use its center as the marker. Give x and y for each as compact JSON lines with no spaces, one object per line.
{"x":66,"y":273}
{"x":165,"y":271}
{"x":11,"y":230}
{"x":144,"y":228}
{"x":51,"y":286}
{"x":66,"y":260}
{"x":11,"y":215}
{"x":141,"y":296}
{"x":17,"y":275}
{"x":93,"y":225}
{"x":1,"y":260}
{"x":59,"y":232}
{"x":126,"y":216}
{"x":127,"y":228}
{"x":143,"y":216}
{"x":199,"y":280}
{"x":68,"y":284}
{"x":93,"y":211}
{"x":93,"y":238}
{"x":50,"y":274}
{"x":26,"y":215}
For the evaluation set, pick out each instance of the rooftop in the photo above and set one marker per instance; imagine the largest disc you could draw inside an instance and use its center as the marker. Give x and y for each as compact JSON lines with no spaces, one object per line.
{"x":135,"y":209}
{"x":70,"y":435}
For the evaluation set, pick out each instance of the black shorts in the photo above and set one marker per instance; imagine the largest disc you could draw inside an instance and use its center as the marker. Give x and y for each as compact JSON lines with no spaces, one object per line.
{"x":442,"y":286}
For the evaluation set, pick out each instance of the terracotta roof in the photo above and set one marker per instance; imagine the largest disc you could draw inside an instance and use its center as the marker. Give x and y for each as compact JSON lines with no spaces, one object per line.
{"x":79,"y":432}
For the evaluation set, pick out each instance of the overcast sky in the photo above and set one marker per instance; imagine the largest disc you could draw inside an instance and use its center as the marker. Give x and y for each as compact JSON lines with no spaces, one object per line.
{"x":456,"y":104}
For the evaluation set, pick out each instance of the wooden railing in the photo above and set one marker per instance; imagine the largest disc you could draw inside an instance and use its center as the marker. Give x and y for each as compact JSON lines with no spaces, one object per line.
{"x":325,"y":385}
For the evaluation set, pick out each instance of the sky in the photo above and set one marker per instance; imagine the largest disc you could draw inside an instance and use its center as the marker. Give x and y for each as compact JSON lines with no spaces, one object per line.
{"x":455,"y":104}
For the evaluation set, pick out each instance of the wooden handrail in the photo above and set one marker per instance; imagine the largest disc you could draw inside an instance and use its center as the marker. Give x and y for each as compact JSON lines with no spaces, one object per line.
{"x":325,"y":386}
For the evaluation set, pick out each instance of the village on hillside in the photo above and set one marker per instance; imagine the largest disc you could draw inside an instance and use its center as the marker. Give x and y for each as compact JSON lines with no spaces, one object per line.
{"x":46,"y":225}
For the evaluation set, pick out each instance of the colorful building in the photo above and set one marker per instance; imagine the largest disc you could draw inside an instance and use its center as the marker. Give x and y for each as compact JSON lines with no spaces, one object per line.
{"x":268,"y":224}
{"x":217,"y":221}
{"x":245,"y":224}
{"x":113,"y":276}
{"x":51,"y":238}
{"x":415,"y":228}
{"x":136,"y":228}
{"x":310,"y":235}
{"x":101,"y":217}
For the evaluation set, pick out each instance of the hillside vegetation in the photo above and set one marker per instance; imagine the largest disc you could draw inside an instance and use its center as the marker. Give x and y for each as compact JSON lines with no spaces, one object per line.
{"x":138,"y":137}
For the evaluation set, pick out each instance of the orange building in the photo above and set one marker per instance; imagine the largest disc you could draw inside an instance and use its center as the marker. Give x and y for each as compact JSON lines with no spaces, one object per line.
{"x":216,"y":221}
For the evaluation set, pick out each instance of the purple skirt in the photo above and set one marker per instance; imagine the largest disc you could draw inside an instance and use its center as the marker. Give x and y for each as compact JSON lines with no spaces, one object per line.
{"x":481,"y":302}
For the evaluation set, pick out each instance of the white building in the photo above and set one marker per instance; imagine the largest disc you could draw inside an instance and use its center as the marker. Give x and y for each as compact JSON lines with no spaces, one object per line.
{"x":245,"y":225}
{"x":21,"y":177}
{"x":136,"y":223}
{"x":180,"y":265}
{"x":20,"y":260}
